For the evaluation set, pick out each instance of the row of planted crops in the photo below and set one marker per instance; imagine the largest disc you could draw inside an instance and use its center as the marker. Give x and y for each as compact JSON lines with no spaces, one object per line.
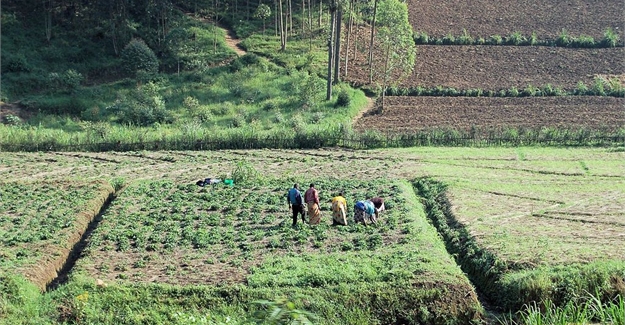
{"x":160,"y":251}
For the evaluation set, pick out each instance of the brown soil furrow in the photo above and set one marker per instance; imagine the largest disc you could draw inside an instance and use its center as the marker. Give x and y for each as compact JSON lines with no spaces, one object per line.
{"x":546,"y":18}
{"x":423,"y":113}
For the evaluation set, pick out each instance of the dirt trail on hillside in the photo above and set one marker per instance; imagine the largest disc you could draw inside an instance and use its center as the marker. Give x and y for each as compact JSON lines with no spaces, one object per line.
{"x":233,"y":42}
{"x":370,"y":105}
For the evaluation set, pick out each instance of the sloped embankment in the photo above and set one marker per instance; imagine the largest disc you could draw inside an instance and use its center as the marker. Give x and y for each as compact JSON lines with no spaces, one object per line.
{"x":42,"y":222}
{"x":510,"y":285}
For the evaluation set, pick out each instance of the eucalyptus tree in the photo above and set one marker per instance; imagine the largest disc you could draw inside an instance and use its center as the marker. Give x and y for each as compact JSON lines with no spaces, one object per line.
{"x":396,"y":42}
{"x":375,"y":14}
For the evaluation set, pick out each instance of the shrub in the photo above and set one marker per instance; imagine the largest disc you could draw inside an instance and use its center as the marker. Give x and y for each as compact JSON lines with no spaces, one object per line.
{"x":610,"y":38}
{"x":270,"y":105}
{"x":421,"y":38}
{"x":465,"y":38}
{"x":343,"y":99}
{"x":238,"y":121}
{"x":586,"y":41}
{"x":533,"y":39}
{"x":316,"y":117}
{"x":11,"y":120}
{"x":564,"y":39}
{"x":16,"y":64}
{"x":516,"y":38}
{"x":143,"y":107}
{"x":615,"y":88}
{"x":449,"y":39}
{"x":598,"y":86}
{"x":297,"y":123}
{"x":191,"y":103}
{"x":69,"y":80}
{"x":278,"y":118}
{"x":496,"y":40}
{"x":137,"y":56}
{"x":581,"y":89}
{"x":203,"y":114}
{"x":531,"y":91}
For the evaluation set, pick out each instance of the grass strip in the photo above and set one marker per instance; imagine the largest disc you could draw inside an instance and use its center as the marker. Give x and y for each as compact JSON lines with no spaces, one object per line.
{"x":511,"y":287}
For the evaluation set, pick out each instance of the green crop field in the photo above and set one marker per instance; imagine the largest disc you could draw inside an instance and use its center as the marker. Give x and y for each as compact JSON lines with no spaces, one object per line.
{"x":162,"y":232}
{"x":523,"y":224}
{"x":41,"y":221}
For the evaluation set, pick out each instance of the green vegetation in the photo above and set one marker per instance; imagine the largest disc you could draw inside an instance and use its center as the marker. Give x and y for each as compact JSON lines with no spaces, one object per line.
{"x":585,"y":311}
{"x":183,"y":233}
{"x":38,"y":218}
{"x":600,"y":87}
{"x":514,"y":281}
{"x":157,"y":75}
{"x":564,"y":39}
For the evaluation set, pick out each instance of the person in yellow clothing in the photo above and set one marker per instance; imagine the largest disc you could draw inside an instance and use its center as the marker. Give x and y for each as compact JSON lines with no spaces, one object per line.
{"x":339,"y":210}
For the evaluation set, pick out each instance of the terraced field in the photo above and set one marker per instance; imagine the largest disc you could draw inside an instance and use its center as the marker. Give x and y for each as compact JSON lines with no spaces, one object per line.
{"x":489,"y":70}
{"x":537,"y":216}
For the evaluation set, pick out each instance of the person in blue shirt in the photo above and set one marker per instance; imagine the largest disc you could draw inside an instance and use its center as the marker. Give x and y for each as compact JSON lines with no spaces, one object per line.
{"x":364,"y":211}
{"x":294,"y":198}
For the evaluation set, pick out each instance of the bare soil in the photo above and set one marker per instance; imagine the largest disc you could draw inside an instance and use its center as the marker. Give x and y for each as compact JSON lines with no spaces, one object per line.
{"x":462,"y":113}
{"x":546,"y":18}
{"x":504,"y":67}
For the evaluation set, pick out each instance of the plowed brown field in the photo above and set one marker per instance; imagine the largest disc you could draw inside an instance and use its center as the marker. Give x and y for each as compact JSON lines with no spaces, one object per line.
{"x":422,"y":113}
{"x":503,"y":67}
{"x":547,"y":18}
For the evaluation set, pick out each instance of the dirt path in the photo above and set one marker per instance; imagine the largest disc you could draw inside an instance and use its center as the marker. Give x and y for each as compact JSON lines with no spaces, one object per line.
{"x":233,"y":42}
{"x":370,"y":105}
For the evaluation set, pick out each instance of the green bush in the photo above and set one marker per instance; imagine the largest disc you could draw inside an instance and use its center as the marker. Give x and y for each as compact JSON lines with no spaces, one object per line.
{"x":610,"y":38}
{"x":69,"y":80}
{"x":343,"y":99}
{"x":137,"y":56}
{"x":16,"y":64}
{"x":142,"y":107}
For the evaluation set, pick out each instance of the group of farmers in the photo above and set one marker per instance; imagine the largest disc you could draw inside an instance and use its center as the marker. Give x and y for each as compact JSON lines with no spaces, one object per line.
{"x":366,"y":211}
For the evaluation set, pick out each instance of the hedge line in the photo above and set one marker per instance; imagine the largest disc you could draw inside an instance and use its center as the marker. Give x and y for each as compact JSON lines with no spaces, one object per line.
{"x":610,"y":39}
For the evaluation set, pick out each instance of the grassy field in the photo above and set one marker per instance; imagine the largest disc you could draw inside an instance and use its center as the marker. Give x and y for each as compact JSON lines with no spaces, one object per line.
{"x":546,"y":221}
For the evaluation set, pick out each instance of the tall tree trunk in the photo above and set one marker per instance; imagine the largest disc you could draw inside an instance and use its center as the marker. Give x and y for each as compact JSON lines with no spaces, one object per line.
{"x":310,"y":28}
{"x":320,"y":11}
{"x":275,"y":15}
{"x":290,"y":15}
{"x":386,"y":73}
{"x":330,"y":56}
{"x":375,"y":11}
{"x":303,"y":15}
{"x":215,"y":29}
{"x":48,"y":7}
{"x":337,"y":45}
{"x":350,"y":22}
{"x":282,"y":28}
